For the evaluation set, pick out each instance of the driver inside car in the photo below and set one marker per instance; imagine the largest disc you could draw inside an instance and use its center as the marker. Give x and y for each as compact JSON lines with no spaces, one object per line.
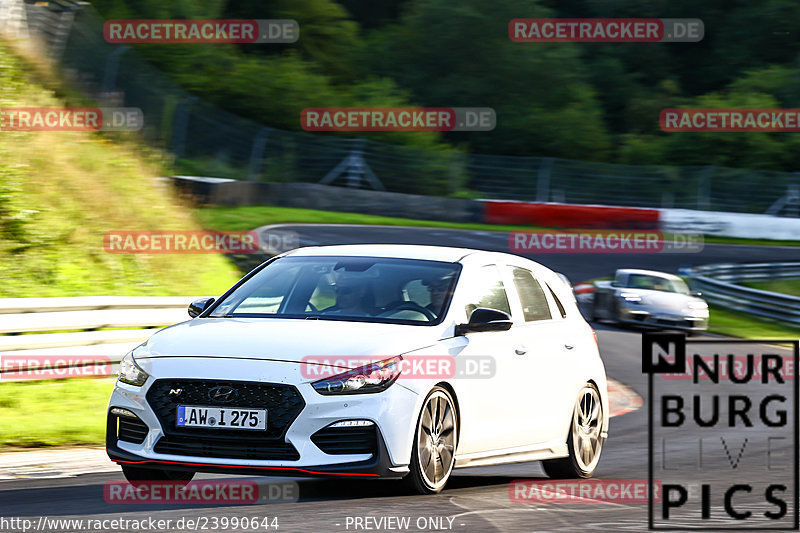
{"x":438,"y":289}
{"x":351,"y":296}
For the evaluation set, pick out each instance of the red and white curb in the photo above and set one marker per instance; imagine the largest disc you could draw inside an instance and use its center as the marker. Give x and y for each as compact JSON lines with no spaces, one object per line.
{"x":622,"y":399}
{"x":584,"y":292}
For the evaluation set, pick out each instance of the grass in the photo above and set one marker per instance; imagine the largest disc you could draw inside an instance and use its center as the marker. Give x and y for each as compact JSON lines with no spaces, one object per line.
{"x":736,"y":324}
{"x":251,"y":217}
{"x":53,"y":413}
{"x":60,"y":192}
{"x":784,"y":286}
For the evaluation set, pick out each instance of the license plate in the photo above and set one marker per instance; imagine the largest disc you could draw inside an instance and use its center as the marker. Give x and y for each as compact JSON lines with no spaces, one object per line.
{"x":221,"y":417}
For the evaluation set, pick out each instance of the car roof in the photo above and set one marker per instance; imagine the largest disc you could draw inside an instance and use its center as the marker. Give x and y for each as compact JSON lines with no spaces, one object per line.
{"x":402,"y":251}
{"x":648,"y":273}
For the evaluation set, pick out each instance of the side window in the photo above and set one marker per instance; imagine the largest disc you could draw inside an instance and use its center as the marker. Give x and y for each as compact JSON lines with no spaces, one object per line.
{"x":531,"y":296}
{"x":488,"y":292}
{"x":558,"y":302}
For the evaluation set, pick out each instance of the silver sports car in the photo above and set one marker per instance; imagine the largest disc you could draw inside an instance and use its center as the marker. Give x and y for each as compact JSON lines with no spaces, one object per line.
{"x":648,"y":298}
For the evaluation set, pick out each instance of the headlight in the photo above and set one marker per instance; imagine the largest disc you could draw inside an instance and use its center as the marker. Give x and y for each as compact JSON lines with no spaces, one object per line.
{"x":697,"y":305}
{"x":374,"y":377}
{"x":130,"y":373}
{"x":631,"y":297}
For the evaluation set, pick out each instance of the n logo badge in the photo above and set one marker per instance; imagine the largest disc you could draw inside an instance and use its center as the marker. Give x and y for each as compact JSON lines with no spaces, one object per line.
{"x":664,"y":353}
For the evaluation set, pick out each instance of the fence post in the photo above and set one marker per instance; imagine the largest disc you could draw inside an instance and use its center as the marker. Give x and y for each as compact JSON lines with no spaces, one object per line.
{"x":704,"y":188}
{"x":356,"y":168}
{"x":257,"y":152}
{"x":452,"y":175}
{"x":543,"y":182}
{"x":62,"y":30}
{"x":112,"y":66}
{"x":181,"y":124}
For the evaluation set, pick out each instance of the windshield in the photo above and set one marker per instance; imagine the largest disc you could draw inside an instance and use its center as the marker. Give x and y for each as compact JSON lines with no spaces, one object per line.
{"x":655,"y":283}
{"x":346,"y":288}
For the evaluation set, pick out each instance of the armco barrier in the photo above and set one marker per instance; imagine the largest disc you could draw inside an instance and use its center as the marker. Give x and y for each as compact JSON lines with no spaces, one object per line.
{"x":570,"y":216}
{"x":718,"y":283}
{"x":61,"y":317}
{"x":741,"y":225}
{"x":217,"y":191}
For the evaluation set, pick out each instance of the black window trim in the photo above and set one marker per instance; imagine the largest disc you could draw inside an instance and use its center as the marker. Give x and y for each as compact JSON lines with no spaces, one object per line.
{"x":561,"y":309}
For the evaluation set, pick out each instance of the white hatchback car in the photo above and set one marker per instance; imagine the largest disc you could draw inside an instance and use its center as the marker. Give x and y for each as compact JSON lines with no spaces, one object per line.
{"x":315,"y":364}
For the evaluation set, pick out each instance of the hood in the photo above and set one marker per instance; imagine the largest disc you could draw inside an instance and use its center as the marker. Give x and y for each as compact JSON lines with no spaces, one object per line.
{"x":286,"y":339}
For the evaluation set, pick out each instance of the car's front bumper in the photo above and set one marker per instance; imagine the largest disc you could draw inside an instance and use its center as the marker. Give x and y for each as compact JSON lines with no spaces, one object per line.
{"x":379,"y":466}
{"x":655,"y":319}
{"x":393,"y":412}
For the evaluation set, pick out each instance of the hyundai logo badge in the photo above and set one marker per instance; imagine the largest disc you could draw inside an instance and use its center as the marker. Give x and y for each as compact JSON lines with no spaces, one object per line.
{"x":223,"y":394}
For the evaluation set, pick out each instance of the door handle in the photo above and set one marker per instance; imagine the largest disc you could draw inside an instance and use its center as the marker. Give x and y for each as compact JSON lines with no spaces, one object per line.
{"x":521,"y":350}
{"x":569,"y":346}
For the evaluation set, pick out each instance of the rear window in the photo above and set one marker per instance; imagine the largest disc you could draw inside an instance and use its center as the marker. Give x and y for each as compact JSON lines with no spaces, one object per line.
{"x":531,"y":296}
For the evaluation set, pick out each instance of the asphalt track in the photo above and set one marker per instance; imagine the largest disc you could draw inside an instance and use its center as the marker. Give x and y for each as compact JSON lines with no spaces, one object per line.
{"x":476,"y":499}
{"x":576,"y":266}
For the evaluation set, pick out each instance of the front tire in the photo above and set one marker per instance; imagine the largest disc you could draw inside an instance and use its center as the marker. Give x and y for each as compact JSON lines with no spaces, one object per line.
{"x":138,"y":476}
{"x":585,"y":440}
{"x":435,"y":440}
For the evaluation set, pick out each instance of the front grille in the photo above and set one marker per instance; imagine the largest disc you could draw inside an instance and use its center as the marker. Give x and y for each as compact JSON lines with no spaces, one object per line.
{"x":131,"y":429}
{"x":347,"y":440}
{"x":227,"y":448}
{"x":282,"y":402}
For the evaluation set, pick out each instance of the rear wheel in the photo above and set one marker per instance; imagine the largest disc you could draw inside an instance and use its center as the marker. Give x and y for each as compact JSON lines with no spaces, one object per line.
{"x":433,"y":456}
{"x":584,"y":442}
{"x":137,"y":476}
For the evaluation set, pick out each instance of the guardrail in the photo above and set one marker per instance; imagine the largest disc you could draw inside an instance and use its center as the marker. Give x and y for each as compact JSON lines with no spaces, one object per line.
{"x":85,"y":321}
{"x":718,"y":283}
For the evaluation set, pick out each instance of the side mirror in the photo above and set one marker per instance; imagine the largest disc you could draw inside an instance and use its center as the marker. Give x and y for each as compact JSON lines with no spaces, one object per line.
{"x":696,"y":293}
{"x":483,"y":319}
{"x":199,"y":305}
